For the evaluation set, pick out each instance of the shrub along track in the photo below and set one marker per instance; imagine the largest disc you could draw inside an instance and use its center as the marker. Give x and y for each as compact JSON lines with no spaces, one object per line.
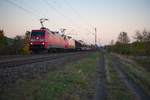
{"x":136,"y":90}
{"x":33,"y":68}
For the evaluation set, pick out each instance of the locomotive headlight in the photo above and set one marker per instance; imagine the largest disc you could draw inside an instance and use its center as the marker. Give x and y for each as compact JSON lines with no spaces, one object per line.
{"x":41,"y":40}
{"x":43,"y":43}
{"x":31,"y":43}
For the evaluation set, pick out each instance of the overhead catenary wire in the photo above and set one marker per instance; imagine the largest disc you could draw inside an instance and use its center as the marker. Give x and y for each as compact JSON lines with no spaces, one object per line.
{"x":67,"y":5}
{"x":33,"y":12}
{"x":52,"y":6}
{"x":32,"y":8}
{"x":83,"y":20}
{"x":57,"y":11}
{"x":24,"y":9}
{"x":61,"y":14}
{"x":18,"y":6}
{"x":37,"y":15}
{"x":73,"y":10}
{"x":21,"y":8}
{"x":76,"y":12}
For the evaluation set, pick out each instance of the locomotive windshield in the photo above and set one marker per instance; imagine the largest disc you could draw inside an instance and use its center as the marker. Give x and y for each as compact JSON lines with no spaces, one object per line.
{"x":38,"y":34}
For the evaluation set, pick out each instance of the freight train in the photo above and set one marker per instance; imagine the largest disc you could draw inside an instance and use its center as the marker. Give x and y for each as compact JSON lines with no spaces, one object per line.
{"x":45,"y":39}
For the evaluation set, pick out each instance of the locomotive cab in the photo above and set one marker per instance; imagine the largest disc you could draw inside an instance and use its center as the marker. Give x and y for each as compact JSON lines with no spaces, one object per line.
{"x":37,"y":40}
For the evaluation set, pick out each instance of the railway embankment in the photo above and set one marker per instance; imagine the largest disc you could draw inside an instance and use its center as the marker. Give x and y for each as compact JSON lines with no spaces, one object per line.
{"x":80,"y":76}
{"x":73,"y":78}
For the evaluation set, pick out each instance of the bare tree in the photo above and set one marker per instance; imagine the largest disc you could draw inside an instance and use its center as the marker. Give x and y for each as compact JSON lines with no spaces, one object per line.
{"x":27,"y":35}
{"x":123,"y":38}
{"x":142,"y":36}
{"x":138,"y":36}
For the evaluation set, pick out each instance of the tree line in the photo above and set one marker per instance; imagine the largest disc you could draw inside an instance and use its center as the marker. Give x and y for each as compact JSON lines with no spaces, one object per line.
{"x":141,"y":45}
{"x":17,"y":45}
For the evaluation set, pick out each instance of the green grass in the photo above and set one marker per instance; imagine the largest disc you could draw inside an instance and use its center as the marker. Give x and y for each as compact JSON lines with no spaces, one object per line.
{"x":144,"y":62}
{"x":74,"y":82}
{"x":137,"y":73}
{"x":116,"y":89}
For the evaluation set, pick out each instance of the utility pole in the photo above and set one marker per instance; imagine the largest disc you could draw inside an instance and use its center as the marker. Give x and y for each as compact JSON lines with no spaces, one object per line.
{"x":95,"y":36}
{"x":99,"y":42}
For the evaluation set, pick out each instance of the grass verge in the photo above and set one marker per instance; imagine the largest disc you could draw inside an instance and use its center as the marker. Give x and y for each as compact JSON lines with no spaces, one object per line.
{"x":75,"y":82}
{"x":143,"y":61}
{"x":116,"y":89}
{"x":138,"y":74}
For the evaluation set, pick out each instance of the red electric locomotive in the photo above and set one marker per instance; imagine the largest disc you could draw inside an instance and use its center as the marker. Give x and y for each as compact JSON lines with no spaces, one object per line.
{"x":44,"y":39}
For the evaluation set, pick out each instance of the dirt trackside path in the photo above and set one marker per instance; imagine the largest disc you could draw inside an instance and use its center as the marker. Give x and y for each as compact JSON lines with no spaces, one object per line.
{"x":100,"y":94}
{"x":110,"y":85}
{"x":134,"y":88}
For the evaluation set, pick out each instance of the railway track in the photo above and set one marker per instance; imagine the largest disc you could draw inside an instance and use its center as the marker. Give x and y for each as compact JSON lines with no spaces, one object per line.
{"x":31,"y":68}
{"x":14,"y":57}
{"x":28,"y":69}
{"x":22,"y":60}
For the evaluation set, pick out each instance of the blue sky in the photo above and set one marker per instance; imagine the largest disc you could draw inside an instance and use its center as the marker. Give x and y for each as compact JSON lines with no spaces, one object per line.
{"x":79,"y":17}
